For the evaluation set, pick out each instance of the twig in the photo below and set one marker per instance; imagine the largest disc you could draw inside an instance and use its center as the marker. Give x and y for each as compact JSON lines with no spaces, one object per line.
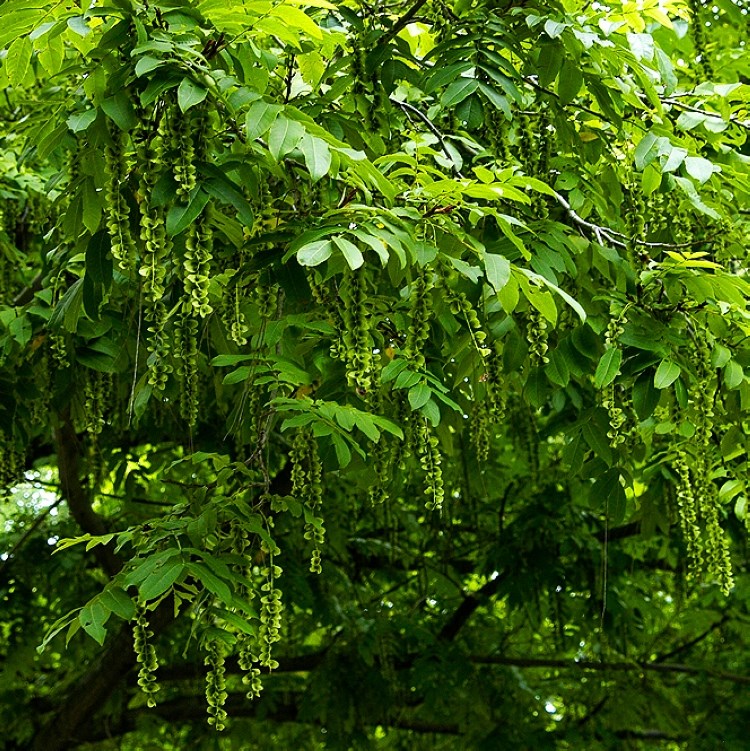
{"x":672,"y":102}
{"x":657,"y":667}
{"x":409,"y":108}
{"x":610,"y":234}
{"x":30,"y":531}
{"x":402,"y":22}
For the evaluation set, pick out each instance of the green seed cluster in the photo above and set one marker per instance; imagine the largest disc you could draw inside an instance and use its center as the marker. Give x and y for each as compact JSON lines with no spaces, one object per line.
{"x":238,"y":329}
{"x":716,"y":552}
{"x":94,"y":404}
{"x":527,"y":147}
{"x":546,"y":140}
{"x":479,"y":430}
{"x":420,"y":309}
{"x":57,"y":340}
{"x":116,"y":207}
{"x":497,"y":134}
{"x":356,"y":337}
{"x":182,"y":145}
{"x":146,"y":656}
{"x":271,"y":608}
{"x":537,"y":337}
{"x":698,"y":34}
{"x":657,"y":212}
{"x":248,"y":664}
{"x":496,"y":390}
{"x":527,"y":437}
{"x":307,"y":486}
{"x":382,"y":458}
{"x":688,"y":515}
{"x":197,"y":263}
{"x":216,"y":684}
{"x":357,"y":66}
{"x":156,"y":248}
{"x":43,"y":378}
{"x":440,"y":18}
{"x":266,"y":296}
{"x":616,"y":414}
{"x":11,"y":464}
{"x":635,"y":216}
{"x":430,"y":460}
{"x":461,"y":307}
{"x":186,"y":355}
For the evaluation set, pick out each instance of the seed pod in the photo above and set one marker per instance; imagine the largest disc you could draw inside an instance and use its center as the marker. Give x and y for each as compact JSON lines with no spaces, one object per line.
{"x":116,"y":206}
{"x":145,"y":656}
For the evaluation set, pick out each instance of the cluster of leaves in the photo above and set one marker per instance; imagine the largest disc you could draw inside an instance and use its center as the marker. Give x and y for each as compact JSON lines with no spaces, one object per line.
{"x":431,"y":301}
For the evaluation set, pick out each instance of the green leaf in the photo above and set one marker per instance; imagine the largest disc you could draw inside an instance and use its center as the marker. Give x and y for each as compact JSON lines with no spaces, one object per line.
{"x":557,"y":368}
{"x":569,"y":82}
{"x":161,"y":579}
{"x":317,"y":156}
{"x":608,"y":367}
{"x":343,"y":454}
{"x":699,"y":168}
{"x":146,"y":64}
{"x":497,"y":269}
{"x":181,"y":216}
{"x":210,"y":580}
{"x":314,"y":253}
{"x":189,"y":93}
{"x":734,"y":375}
{"x":68,"y":309}
{"x":284,"y":136}
{"x":595,"y":432}
{"x":120,"y":110}
{"x":458,"y":91}
{"x":18,"y":60}
{"x":260,"y":117}
{"x":80,"y":121}
{"x":92,"y":618}
{"x":666,"y":374}
{"x":419,"y":395}
{"x":645,"y":396}
{"x":118,"y":601}
{"x":98,"y":259}
{"x":351,"y":252}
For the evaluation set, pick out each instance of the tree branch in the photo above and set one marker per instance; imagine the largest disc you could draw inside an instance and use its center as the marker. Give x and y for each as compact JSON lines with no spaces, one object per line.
{"x":68,"y":725}
{"x":402,"y":22}
{"x":657,"y":667}
{"x":470,"y":603}
{"x":409,"y":108}
{"x":77,"y":497}
{"x":193,"y":709}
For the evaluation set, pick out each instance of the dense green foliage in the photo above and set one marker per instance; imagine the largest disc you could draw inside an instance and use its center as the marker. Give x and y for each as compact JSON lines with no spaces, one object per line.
{"x":372,"y":375}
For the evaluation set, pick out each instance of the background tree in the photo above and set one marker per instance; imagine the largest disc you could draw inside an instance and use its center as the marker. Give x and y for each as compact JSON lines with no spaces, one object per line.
{"x":377,"y":371}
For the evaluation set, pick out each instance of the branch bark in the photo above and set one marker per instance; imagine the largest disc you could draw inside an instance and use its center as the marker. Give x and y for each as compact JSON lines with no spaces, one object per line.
{"x":76,"y":495}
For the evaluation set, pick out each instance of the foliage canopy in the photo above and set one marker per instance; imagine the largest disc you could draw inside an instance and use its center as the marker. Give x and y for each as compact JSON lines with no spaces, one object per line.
{"x":377,"y":371}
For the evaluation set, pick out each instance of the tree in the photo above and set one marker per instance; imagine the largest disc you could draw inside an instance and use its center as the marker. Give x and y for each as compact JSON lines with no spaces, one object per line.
{"x":373,"y":374}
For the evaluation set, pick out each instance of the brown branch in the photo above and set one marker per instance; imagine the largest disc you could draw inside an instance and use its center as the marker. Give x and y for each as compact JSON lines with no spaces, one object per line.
{"x":470,"y":603}
{"x":77,"y":497}
{"x":27,"y":293}
{"x":193,"y":709}
{"x":697,"y":640}
{"x":68,"y":725}
{"x":402,"y":22}
{"x":657,"y":667}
